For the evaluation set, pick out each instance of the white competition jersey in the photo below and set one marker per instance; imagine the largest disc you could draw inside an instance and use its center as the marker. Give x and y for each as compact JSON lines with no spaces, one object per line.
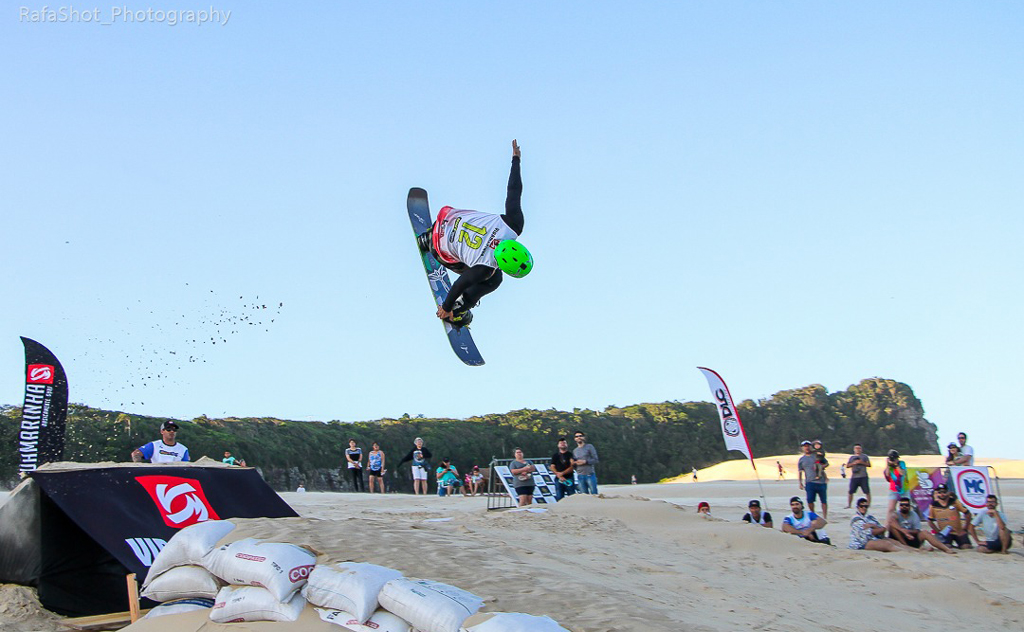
{"x":469,"y":237}
{"x":163,"y":453}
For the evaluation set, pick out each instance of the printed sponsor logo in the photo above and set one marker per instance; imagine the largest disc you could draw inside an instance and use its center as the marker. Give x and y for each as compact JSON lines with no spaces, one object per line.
{"x":251,"y":558}
{"x":299,"y":573}
{"x":146,"y":549}
{"x":180,"y":501}
{"x":729,"y":423}
{"x":973,"y":488}
{"x":732,"y":428}
{"x":39,"y":374}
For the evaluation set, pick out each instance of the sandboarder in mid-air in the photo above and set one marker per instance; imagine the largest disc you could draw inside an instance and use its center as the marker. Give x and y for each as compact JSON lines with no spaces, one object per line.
{"x":479,"y":247}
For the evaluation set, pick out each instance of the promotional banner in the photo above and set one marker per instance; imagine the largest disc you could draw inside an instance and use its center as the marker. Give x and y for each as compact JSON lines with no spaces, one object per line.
{"x":41,"y":437}
{"x":972,"y":485}
{"x":76,"y":532}
{"x":732,"y":428}
{"x":920,"y":483}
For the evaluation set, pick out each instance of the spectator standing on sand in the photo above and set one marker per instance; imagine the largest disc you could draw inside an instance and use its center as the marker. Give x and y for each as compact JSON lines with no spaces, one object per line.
{"x":954,"y":456}
{"x":944,"y":518}
{"x":354,"y":460}
{"x":166,"y":449}
{"x":812,"y":477}
{"x":995,"y":535}
{"x":965,"y":449}
{"x":694,"y":475}
{"x":522,"y":478}
{"x":867,"y":533}
{"x":905,"y":527}
{"x":584,"y":458}
{"x":562,"y":467}
{"x":782,"y":472}
{"x":419,"y":456}
{"x":375,"y":467}
{"x":896,"y":474}
{"x":858,"y":464}
{"x":754,"y":515}
{"x":805,"y":524}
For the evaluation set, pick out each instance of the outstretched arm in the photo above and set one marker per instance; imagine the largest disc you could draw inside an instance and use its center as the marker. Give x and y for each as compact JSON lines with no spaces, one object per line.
{"x":513,"y":200}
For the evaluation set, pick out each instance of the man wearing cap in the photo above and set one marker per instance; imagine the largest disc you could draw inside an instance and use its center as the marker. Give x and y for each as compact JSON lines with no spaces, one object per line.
{"x":944,"y":518}
{"x":805,"y":524}
{"x":164,"y":450}
{"x":756,"y":516}
{"x":905,"y":527}
{"x":812,"y":479}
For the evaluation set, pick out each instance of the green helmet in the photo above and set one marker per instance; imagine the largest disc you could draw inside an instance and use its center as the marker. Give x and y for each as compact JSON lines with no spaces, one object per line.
{"x":513,"y":258}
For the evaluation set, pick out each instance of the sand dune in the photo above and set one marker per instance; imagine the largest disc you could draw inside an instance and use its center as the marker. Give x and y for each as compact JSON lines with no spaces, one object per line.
{"x":627,"y":561}
{"x":740,"y":469}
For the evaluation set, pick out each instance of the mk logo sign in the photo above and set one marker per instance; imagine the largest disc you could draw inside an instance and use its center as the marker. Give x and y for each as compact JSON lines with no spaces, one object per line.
{"x":180,"y":501}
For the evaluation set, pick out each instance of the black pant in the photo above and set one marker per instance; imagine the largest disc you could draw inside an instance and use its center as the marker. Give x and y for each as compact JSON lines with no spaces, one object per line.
{"x":357,"y":478}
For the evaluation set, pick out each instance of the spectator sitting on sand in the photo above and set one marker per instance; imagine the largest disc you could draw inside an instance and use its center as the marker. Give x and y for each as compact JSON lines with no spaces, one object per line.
{"x":905,"y":528}
{"x":805,"y":524}
{"x":993,"y":535}
{"x":944,"y":518}
{"x":867,"y":533}
{"x":756,"y":516}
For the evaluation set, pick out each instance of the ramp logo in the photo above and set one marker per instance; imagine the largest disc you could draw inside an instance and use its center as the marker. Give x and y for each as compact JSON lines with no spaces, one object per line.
{"x":973,"y":487}
{"x":181,"y":501}
{"x":39,"y":374}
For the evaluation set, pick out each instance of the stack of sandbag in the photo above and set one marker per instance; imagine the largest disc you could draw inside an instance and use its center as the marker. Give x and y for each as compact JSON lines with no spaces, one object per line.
{"x":178,"y":573}
{"x":350,"y":587}
{"x":510,"y":622}
{"x":179,"y":606}
{"x":265,"y":579}
{"x":428,"y":605}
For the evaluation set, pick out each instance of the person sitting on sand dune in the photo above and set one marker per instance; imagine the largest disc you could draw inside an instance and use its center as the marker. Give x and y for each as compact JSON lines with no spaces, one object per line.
{"x":805,"y":524}
{"x":756,"y":516}
{"x":905,"y":527}
{"x":867,"y":533}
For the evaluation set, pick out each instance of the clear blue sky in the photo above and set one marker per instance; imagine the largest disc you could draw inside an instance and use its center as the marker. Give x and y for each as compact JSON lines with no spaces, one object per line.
{"x":787,"y":192}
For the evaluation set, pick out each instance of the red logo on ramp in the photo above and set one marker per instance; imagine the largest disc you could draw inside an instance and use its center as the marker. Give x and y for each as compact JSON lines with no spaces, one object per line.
{"x":39,"y":374}
{"x":181,"y":501}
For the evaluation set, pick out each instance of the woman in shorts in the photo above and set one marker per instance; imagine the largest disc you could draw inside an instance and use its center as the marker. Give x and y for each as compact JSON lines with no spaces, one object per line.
{"x":522,"y":478}
{"x":375,"y":467}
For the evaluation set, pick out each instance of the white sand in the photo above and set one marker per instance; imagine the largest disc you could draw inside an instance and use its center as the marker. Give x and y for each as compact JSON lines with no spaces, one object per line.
{"x":622,"y":562}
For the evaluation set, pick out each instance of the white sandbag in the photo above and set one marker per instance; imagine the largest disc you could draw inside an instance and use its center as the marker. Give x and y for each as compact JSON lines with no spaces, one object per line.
{"x":252,"y":603}
{"x":510,"y":622}
{"x":178,"y":607}
{"x":189,"y":546}
{"x":349,"y":586}
{"x":380,"y":621}
{"x":429,"y":606}
{"x":182,"y":582}
{"x":280,"y":568}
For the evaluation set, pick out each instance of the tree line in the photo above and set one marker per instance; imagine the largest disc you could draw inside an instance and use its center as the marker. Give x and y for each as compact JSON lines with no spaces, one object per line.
{"x":652,"y":441}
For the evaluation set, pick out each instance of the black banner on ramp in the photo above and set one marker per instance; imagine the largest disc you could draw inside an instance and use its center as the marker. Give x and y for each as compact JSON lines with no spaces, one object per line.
{"x":96,"y":524}
{"x":41,"y":437}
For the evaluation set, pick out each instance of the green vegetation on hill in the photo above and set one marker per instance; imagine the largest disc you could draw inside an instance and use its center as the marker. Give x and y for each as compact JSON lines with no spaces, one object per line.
{"x":653,"y":441}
